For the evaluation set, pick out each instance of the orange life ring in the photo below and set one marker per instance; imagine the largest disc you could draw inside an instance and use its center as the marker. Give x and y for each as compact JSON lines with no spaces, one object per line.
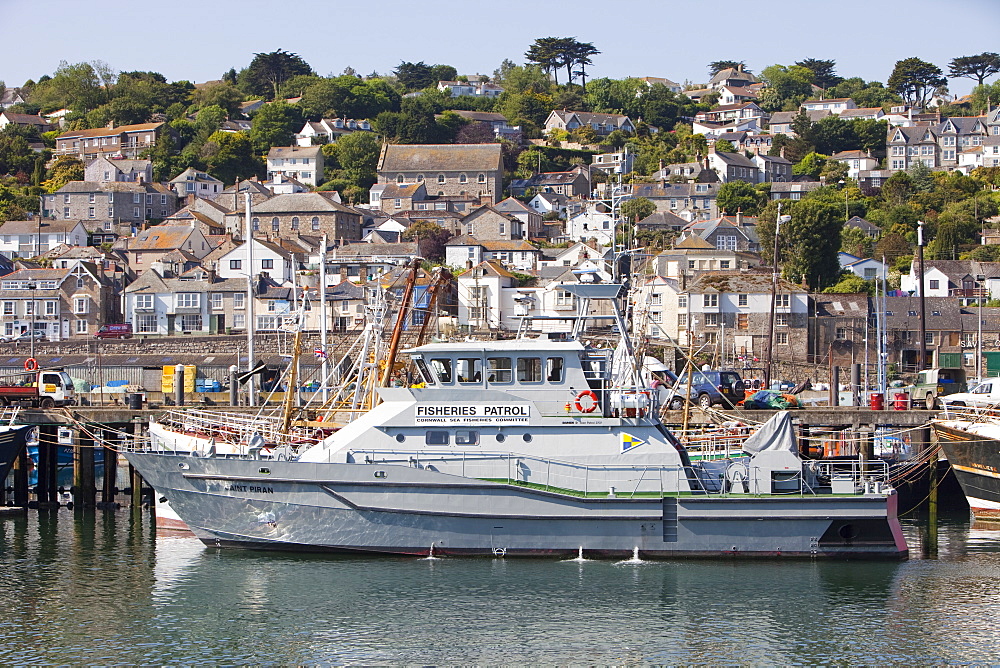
{"x":593,"y":398}
{"x":30,"y":364}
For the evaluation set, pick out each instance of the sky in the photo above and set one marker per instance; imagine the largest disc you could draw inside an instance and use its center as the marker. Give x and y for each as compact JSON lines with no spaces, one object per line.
{"x":669,"y":38}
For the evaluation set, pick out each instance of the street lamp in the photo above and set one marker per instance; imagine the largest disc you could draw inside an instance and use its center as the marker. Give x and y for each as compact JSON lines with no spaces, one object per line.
{"x":31,"y":326}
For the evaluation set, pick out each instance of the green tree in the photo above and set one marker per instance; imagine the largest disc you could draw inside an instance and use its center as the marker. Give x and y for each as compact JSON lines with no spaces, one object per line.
{"x":431,"y":236}
{"x":443,"y":73}
{"x":810,"y":241}
{"x":77,"y":87}
{"x":824,"y":74}
{"x":916,"y":80}
{"x":358,"y":154}
{"x":275,"y":124}
{"x":229,"y":157}
{"x":348,"y":97}
{"x":64,"y":170}
{"x":811,"y":165}
{"x":785,"y":85}
{"x":224,"y":95}
{"x":268,"y":71}
{"x":15,"y":152}
{"x":980,"y":67}
{"x":717,"y":66}
{"x":985,"y":96}
{"x":851,"y":284}
{"x":414,"y":76}
{"x":724,"y":146}
{"x":548,"y":53}
{"x":740,"y":196}
{"x":855,"y":241}
{"x":522,"y":78}
{"x":580,"y":53}
{"x":637,"y":209}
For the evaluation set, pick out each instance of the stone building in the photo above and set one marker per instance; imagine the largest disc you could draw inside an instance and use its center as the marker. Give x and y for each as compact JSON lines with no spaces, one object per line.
{"x":445,"y":169}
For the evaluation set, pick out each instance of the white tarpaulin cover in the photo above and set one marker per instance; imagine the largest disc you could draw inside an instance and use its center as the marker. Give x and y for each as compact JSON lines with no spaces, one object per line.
{"x":777,"y":434}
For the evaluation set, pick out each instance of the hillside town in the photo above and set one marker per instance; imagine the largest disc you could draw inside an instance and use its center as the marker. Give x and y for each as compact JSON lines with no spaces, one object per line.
{"x":775,"y":211}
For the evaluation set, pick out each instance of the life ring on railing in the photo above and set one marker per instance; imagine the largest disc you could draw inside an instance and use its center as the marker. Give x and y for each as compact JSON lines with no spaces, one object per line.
{"x":592,"y":407}
{"x":30,"y":364}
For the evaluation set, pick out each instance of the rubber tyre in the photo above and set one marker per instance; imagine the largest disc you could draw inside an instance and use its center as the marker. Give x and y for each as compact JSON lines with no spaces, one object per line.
{"x":705,"y":401}
{"x":47,"y":403}
{"x":676,"y":404}
{"x":930,"y":402}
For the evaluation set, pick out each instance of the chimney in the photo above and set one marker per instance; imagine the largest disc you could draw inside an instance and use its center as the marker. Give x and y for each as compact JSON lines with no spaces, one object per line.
{"x":781,"y":153}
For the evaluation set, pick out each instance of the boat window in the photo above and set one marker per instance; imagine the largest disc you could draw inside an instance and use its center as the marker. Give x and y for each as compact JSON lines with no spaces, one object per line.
{"x":425,"y":375}
{"x":526,"y":438}
{"x":436,"y":438}
{"x":442,"y":367}
{"x":469,"y":370}
{"x":529,"y":369}
{"x":554,"y":369}
{"x":400,"y":438}
{"x":466,"y":437}
{"x":501,"y":437}
{"x":498,"y":369}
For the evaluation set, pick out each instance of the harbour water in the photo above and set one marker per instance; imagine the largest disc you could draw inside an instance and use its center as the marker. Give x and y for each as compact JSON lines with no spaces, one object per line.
{"x":103,"y":588}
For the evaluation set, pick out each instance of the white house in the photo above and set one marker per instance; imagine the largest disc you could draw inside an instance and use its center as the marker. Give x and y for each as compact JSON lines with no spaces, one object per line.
{"x":268,"y":258}
{"x":856,"y":161}
{"x":29,"y":238}
{"x":302,"y":163}
{"x":867,"y":268}
{"x":517,"y":255}
{"x":592,"y":224}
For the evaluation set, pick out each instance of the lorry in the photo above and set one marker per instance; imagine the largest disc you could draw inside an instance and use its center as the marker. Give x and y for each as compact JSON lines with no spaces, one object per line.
{"x":983,"y":395}
{"x":931,"y":384}
{"x":47,"y":388}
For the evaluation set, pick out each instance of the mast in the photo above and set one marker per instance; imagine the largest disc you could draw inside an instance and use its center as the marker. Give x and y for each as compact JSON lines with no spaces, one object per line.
{"x":251,"y":398}
{"x":322,"y":314}
{"x":300,"y":317}
{"x":293,"y":381}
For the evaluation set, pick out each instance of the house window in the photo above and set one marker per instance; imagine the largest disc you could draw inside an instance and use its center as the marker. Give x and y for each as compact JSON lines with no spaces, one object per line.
{"x":655,"y":299}
{"x":481,"y":178}
{"x":144,"y":302}
{"x":682,"y":320}
{"x":216,"y":300}
{"x":743,"y":321}
{"x":781,"y":319}
{"x":66,"y":212}
{"x":711,"y":319}
{"x":929,"y":338}
{"x":239,"y":320}
{"x":462,"y":178}
{"x":725,"y":242}
{"x":81,"y":326}
{"x":275,"y":224}
{"x":295,"y":222}
{"x":236,"y":264}
{"x":399,"y":178}
{"x":742,"y":300}
{"x":255,"y":223}
{"x":933,"y":284}
{"x":136,"y":213}
{"x":440,"y":178}
{"x":656,"y":316}
{"x":315,"y":223}
{"x":136,"y":198}
{"x":783,"y":301}
{"x":781,"y":338}
{"x":8,"y":308}
{"x":682,"y":301}
{"x":188,"y":300}
{"x":710,"y":301}
{"x":80,"y":305}
{"x":841,"y":334}
{"x":564,"y":298}
{"x":267,"y":264}
{"x":91,"y":212}
{"x":146,"y":323}
{"x":239,"y":300}
{"x":190,"y":322}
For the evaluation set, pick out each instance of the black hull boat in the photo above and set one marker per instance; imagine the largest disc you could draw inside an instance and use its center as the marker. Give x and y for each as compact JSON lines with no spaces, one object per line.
{"x":12,"y":443}
{"x":972,"y":446}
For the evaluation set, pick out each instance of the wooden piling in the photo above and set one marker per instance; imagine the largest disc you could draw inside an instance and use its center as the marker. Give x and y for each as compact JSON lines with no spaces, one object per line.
{"x":21,"y":479}
{"x":84,"y":476}
{"x":110,"y":474}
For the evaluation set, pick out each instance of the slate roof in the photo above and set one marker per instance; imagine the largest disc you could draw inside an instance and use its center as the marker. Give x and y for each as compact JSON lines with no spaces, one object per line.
{"x":481,"y":116}
{"x":662,"y":219}
{"x":32,"y":226}
{"x":737,"y":159}
{"x":740,"y":282}
{"x":846,"y":305}
{"x":310,"y":202}
{"x":439,"y":157}
{"x":25,"y":119}
{"x":513,"y":205}
{"x":106,"y":132}
{"x":294,"y":152}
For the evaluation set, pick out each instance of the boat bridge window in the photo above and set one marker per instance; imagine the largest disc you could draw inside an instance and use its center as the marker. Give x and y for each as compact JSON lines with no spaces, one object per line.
{"x":436,"y":437}
{"x":469,"y":370}
{"x":498,"y":369}
{"x":554,"y":369}
{"x":466,"y":437}
{"x":425,"y":374}
{"x":442,"y":367}
{"x":529,"y":369}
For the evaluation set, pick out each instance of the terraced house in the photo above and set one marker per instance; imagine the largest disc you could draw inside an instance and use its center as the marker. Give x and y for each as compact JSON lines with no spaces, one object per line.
{"x":69,"y":302}
{"x":937,"y":146}
{"x":117,"y":201}
{"x":312,"y":213}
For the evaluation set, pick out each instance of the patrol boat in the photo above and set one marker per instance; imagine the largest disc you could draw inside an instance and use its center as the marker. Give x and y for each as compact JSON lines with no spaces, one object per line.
{"x":531,"y":447}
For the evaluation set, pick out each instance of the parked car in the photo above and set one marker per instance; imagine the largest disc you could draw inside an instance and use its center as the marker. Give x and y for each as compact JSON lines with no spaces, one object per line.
{"x":932,"y":385}
{"x":983,"y":395}
{"x":37,"y":335}
{"x":709,"y":388}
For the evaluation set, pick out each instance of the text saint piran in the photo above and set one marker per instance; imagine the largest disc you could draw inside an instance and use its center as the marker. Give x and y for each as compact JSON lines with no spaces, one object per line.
{"x":254,"y":489}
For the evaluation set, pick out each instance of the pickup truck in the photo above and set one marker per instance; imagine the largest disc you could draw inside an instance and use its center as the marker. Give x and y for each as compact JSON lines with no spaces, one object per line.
{"x":985,"y":394}
{"x":44,"y":389}
{"x":933,"y":384}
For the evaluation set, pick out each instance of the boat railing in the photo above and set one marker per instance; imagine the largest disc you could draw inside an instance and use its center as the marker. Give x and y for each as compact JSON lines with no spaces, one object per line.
{"x":972,"y":413}
{"x":728,"y":477}
{"x":231,"y":427}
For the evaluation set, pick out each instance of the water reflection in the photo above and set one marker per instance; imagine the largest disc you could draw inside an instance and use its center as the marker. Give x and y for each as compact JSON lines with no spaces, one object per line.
{"x":103,"y":588}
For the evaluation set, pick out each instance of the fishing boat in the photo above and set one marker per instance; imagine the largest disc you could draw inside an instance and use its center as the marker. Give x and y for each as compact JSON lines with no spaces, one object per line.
{"x":970,"y":439}
{"x":13,"y":439}
{"x":530,"y":447}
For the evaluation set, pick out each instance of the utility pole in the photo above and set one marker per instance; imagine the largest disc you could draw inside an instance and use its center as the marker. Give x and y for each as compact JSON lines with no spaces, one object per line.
{"x":922,"y":362}
{"x":769,"y":340}
{"x":251,"y":399}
